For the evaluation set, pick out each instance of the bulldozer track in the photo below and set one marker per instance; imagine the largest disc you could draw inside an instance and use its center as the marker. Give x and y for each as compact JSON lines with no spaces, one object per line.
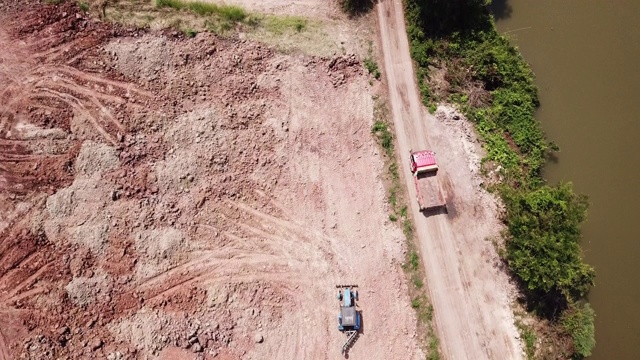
{"x":4,"y":351}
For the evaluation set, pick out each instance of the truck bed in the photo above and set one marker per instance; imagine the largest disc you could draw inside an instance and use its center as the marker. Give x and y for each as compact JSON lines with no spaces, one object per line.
{"x":430,"y":194}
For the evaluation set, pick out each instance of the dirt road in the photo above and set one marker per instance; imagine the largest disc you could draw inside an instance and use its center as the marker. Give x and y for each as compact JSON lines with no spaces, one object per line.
{"x":467,"y":288}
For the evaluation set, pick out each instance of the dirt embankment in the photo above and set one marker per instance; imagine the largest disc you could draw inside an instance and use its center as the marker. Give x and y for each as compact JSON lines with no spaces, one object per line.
{"x":186,"y":198}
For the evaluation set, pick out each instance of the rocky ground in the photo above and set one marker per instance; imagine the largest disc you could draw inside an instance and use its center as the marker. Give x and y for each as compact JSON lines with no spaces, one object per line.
{"x":174,"y":198}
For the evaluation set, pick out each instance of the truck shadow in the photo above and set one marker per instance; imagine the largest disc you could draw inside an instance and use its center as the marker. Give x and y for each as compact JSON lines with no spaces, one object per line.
{"x":438,"y":211}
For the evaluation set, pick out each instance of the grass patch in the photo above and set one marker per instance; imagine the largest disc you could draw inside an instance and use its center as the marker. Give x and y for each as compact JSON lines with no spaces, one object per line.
{"x":190,"y":33}
{"x":284,"y":32}
{"x":381,"y":130}
{"x":371,"y":65}
{"x":83,"y":6}
{"x":281,"y":24}
{"x":434,"y":353}
{"x":221,"y":18}
{"x":393,"y":217}
{"x":393,"y":199}
{"x":414,"y":260}
{"x":226,"y":12}
{"x":529,"y":337}
{"x":415,"y":303}
{"x":407,"y":228}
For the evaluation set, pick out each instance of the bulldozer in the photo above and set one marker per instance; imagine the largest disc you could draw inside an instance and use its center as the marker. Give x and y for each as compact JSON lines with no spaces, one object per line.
{"x":349,"y":319}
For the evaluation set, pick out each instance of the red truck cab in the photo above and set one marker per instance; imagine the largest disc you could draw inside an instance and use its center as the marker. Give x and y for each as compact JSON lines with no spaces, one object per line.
{"x":424,"y":160}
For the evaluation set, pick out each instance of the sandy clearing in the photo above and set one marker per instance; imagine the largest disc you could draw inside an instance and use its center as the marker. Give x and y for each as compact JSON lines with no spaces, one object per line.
{"x":467,"y":288}
{"x":218,"y":191}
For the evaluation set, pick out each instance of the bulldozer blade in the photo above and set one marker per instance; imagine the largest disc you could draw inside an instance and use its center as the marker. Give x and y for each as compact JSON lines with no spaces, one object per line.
{"x":346,"y":286}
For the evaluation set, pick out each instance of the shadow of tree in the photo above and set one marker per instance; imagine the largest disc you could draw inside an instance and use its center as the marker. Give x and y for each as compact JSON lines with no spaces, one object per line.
{"x":356,"y":8}
{"x":500,"y":9}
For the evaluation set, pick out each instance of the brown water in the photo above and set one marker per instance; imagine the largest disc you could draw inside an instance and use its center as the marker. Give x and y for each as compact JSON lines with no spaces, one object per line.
{"x":586,"y":56}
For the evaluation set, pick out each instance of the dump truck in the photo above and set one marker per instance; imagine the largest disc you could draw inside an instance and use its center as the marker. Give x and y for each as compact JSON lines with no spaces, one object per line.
{"x":424,"y":169}
{"x":349,"y":319}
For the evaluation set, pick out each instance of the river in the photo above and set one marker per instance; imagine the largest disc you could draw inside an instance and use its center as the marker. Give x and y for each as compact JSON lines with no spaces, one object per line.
{"x":586,"y":56}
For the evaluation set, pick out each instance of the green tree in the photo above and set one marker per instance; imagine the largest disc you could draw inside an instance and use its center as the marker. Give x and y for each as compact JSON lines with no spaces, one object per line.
{"x":543,"y":246}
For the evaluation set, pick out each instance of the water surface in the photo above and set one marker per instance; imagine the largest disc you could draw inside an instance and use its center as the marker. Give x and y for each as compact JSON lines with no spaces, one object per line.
{"x":586,"y":56}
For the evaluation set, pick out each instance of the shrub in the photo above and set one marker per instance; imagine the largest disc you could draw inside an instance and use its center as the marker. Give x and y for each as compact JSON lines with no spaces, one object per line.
{"x":190,"y":32}
{"x":414,"y":260}
{"x":381,"y":130}
{"x":372,"y":67}
{"x":415,"y":303}
{"x":83,"y":6}
{"x":578,"y":322}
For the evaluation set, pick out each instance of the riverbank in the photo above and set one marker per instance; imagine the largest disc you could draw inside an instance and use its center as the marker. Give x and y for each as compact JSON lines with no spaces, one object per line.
{"x":460,"y":58}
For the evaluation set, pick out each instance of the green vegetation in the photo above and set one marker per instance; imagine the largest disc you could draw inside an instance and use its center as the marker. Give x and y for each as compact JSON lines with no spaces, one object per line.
{"x":382,"y":131}
{"x":226,"y":12}
{"x":414,"y":260}
{"x":492,"y":84}
{"x":281,"y":24}
{"x":372,"y":67}
{"x":192,"y":17}
{"x":220,"y":18}
{"x":83,"y":6}
{"x":415,"y":303}
{"x":529,"y":337}
{"x":190,"y":32}
{"x":434,"y":353}
{"x":579,"y":320}
{"x":543,"y":247}
{"x":370,"y":63}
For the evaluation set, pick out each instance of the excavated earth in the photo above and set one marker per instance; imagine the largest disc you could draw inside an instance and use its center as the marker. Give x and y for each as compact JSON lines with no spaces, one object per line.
{"x":173,"y":198}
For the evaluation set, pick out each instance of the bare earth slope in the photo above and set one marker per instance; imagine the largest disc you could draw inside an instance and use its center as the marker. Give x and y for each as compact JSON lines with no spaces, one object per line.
{"x":468,"y":290}
{"x":174,"y":198}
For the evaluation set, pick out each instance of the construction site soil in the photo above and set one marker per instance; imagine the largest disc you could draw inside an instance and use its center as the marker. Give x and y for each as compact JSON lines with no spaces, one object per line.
{"x":180,"y":198}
